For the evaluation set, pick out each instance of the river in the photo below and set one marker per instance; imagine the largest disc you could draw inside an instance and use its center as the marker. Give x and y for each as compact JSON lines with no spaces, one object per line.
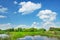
{"x":36,"y":38}
{"x":30,"y":37}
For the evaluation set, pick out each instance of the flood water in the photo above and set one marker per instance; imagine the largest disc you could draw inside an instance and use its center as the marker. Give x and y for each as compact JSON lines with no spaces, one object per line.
{"x":36,"y":38}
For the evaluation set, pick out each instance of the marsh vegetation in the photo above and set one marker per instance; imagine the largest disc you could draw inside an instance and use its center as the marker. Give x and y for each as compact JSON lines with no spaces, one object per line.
{"x":13,"y":34}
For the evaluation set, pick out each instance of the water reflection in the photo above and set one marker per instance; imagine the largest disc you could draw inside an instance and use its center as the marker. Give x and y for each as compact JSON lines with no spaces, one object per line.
{"x":36,"y":38}
{"x":3,"y":36}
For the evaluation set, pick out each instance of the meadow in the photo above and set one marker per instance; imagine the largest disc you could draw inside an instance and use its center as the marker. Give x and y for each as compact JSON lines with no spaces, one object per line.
{"x":14,"y":34}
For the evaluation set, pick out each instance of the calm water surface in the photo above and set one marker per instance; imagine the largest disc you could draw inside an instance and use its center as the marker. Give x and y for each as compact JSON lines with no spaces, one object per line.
{"x":3,"y":35}
{"x":36,"y":38}
{"x":30,"y":37}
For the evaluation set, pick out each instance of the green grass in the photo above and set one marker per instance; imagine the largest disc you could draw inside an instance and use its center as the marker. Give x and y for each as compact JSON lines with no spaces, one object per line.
{"x":15,"y":35}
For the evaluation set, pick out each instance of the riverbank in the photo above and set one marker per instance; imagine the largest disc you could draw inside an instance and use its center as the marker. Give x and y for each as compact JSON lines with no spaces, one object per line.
{"x":15,"y":35}
{"x":22,"y":32}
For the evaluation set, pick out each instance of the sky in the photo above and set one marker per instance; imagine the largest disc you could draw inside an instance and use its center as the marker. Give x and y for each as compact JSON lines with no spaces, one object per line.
{"x":29,"y":13}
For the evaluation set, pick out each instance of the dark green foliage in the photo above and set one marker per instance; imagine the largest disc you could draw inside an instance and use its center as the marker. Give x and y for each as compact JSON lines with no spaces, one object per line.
{"x":25,"y":30}
{"x":32,"y":30}
{"x":9,"y":30}
{"x":54,"y":29}
{"x":42,"y":29}
{"x":18,"y":29}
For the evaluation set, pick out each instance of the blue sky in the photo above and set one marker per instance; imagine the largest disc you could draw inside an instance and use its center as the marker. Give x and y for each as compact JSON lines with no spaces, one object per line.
{"x":28,"y":12}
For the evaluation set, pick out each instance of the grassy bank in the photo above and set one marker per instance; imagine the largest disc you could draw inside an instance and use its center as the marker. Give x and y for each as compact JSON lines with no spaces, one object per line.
{"x":21,"y":32}
{"x":15,"y":35}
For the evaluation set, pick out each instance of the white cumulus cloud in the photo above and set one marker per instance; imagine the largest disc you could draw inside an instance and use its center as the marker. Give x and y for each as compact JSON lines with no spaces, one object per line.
{"x":21,"y":26}
{"x":3,"y":9}
{"x":28,"y":7}
{"x":5,"y":26}
{"x":35,"y":24}
{"x":15,"y":2}
{"x":48,"y":24}
{"x":1,"y":16}
{"x":47,"y":17}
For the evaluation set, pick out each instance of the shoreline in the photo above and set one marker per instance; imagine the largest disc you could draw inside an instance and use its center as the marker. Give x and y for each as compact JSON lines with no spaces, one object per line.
{"x":15,"y":35}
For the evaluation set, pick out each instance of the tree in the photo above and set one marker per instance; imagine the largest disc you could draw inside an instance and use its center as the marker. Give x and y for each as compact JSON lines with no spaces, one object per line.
{"x":33,"y":29}
{"x":10,"y":30}
{"x":42,"y":29}
{"x":18,"y":29}
{"x":54,"y":29}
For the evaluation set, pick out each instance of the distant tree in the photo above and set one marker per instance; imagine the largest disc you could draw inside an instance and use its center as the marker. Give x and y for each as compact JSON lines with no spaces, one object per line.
{"x":10,"y":30}
{"x":54,"y":29}
{"x":51,"y":29}
{"x":25,"y":30}
{"x":0,"y":29}
{"x":20,"y":29}
{"x":33,"y":29}
{"x":42,"y":29}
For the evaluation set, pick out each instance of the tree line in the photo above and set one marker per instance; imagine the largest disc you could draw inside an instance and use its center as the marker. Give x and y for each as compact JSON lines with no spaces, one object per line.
{"x":29,"y":30}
